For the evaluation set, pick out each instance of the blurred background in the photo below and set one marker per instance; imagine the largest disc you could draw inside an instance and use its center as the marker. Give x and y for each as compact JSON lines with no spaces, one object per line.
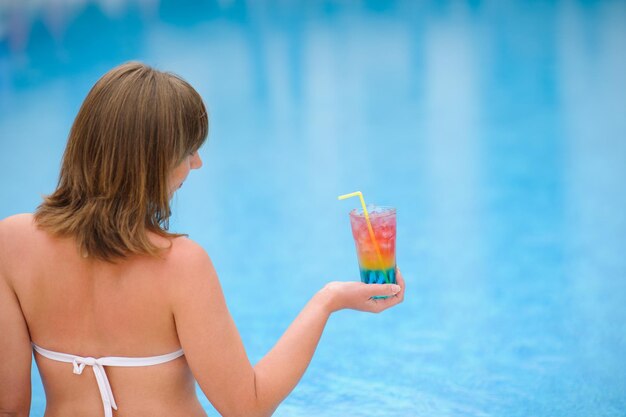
{"x":496,"y":128}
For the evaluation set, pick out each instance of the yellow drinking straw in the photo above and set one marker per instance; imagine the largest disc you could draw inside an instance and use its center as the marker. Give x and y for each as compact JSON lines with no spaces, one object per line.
{"x":369,"y":228}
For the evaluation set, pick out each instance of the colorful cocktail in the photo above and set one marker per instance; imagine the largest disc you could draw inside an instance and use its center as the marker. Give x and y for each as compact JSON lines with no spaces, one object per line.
{"x":377,"y":258}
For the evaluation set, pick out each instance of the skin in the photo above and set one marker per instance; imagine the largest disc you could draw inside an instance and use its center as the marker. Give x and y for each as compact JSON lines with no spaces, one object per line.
{"x":179,"y":173}
{"x":145,"y":306}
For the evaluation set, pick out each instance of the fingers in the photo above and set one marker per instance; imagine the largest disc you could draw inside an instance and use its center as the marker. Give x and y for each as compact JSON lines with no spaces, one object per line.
{"x":381,"y":304}
{"x":373,"y":290}
{"x":380,"y":296}
{"x":399,"y":277}
{"x":400,"y":281}
{"x":394,"y":293}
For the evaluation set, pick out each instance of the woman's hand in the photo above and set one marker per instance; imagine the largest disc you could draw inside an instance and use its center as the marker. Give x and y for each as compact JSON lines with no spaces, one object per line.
{"x":359,"y":296}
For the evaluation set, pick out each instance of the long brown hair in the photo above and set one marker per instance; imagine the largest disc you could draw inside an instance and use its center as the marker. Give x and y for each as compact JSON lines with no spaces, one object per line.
{"x":135,"y":125}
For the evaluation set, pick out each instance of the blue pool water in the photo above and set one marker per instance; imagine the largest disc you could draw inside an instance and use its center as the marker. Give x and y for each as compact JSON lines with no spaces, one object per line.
{"x":497,"y":129}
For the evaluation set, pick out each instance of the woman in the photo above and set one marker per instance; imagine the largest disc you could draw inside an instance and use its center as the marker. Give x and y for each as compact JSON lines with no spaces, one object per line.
{"x":94,"y":282}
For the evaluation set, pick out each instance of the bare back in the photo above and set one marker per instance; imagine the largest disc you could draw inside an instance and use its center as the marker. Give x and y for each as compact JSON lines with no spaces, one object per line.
{"x":87,"y":307}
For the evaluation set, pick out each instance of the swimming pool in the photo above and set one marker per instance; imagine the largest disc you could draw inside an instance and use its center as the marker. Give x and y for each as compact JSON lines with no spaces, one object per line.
{"x":497,"y":130}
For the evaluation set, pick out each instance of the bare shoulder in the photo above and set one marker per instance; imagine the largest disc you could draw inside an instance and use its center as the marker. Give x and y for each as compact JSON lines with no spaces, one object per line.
{"x":17,"y":223}
{"x":189,"y":260}
{"x":190,"y":273}
{"x":14,"y":232}
{"x":185,"y":251}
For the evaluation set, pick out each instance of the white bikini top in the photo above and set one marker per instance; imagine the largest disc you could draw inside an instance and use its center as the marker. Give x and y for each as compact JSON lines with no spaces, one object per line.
{"x":98,"y":364}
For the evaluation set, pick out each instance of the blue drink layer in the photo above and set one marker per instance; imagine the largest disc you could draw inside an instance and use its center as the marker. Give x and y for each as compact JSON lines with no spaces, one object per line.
{"x":377,"y":276}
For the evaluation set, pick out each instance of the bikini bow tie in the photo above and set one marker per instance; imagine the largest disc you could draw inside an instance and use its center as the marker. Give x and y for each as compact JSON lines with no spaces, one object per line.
{"x":80,"y":363}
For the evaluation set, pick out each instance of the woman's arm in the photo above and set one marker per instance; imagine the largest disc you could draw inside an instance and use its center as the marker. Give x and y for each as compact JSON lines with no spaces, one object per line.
{"x":15,"y":347}
{"x":214,"y":349}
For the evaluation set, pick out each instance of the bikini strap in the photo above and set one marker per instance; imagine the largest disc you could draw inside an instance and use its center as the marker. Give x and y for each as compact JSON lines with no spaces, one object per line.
{"x":98,"y":364}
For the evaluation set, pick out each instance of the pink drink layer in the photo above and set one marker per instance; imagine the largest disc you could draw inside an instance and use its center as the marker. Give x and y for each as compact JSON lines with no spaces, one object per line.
{"x":383,"y":221}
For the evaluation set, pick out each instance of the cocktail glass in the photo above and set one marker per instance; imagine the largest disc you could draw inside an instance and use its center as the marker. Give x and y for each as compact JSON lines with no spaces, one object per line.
{"x":377,"y":258}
